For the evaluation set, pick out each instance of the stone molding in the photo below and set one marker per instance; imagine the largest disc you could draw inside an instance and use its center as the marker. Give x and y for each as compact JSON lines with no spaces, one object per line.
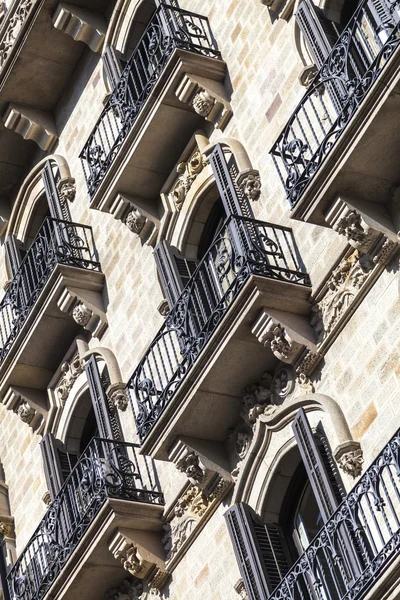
{"x":71,"y":371}
{"x":207,"y":97}
{"x":32,"y":124}
{"x":81,"y":24}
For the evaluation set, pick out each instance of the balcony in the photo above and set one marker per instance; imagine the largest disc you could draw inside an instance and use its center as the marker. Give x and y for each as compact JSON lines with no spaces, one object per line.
{"x":188,"y":381}
{"x":105,"y":490}
{"x":37,"y":61}
{"x":59,"y":268}
{"x":344,"y":135}
{"x":144,"y":113}
{"x":357,"y":550}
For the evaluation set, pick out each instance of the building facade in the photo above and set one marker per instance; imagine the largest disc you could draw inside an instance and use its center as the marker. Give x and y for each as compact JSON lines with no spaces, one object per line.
{"x":199,"y":354}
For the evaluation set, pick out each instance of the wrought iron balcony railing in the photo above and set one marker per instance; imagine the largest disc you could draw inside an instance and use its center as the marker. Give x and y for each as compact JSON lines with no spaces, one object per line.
{"x":169,"y":28}
{"x":336,"y":93}
{"x":358,"y":543}
{"x":243,"y":247}
{"x":57,"y":242}
{"x":107,"y":469}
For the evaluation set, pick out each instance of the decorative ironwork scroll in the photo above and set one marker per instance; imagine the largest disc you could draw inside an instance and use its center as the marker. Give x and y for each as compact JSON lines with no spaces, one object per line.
{"x":242,"y":247}
{"x":97,"y":476}
{"x":169,"y":28}
{"x":57,"y":242}
{"x":335,"y":94}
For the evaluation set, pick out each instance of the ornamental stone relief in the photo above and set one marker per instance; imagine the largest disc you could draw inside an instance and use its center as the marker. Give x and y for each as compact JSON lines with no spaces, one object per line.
{"x":71,"y":371}
{"x":125,"y":551}
{"x":189,"y":513}
{"x":187,"y":175}
{"x":118,"y":396}
{"x":342,"y":287}
{"x":67,"y":189}
{"x":135,"y":221}
{"x":81,"y":314}
{"x":26,"y":412}
{"x":249,"y":184}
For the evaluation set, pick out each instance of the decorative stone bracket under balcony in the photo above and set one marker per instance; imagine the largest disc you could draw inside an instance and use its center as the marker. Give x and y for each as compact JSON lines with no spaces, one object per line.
{"x":105,"y":519}
{"x":190,"y":380}
{"x":172,"y":82}
{"x":56,"y":291}
{"x":344,"y":135}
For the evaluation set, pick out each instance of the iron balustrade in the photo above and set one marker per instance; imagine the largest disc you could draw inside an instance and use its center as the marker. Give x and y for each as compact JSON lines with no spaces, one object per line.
{"x":57,"y":242}
{"x":106,"y":469}
{"x":357,"y":543}
{"x":170,"y":28}
{"x":243,"y":247}
{"x":335,"y":94}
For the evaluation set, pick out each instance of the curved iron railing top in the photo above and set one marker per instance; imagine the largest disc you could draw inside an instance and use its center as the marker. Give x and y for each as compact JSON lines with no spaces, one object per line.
{"x":106,"y":469}
{"x":242,"y":247}
{"x":335,"y":94}
{"x":57,"y":242}
{"x":357,"y":543}
{"x":168,"y":29}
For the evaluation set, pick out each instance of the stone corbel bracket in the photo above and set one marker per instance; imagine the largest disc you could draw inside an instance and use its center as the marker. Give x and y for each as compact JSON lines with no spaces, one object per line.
{"x":286,"y":334}
{"x":32,"y":124}
{"x":200,"y":461}
{"x":361,"y":222}
{"x":207,"y":97}
{"x":349,"y":457}
{"x":86,"y":308}
{"x":139,"y":552}
{"x":7,"y":529}
{"x":117,"y":395}
{"x":28,"y":404}
{"x":135,"y":214}
{"x":82,"y":25}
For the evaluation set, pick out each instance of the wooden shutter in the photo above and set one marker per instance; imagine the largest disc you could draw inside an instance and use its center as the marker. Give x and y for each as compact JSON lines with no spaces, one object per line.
{"x":382,"y":14}
{"x":113,"y":66}
{"x":13,"y":255}
{"x":225,"y":173}
{"x":3,"y":570}
{"x":173,"y":269}
{"x":106,"y":414}
{"x":52,"y":466}
{"x":316,"y":470}
{"x":58,"y":208}
{"x":319,"y":33}
{"x":260,"y":551}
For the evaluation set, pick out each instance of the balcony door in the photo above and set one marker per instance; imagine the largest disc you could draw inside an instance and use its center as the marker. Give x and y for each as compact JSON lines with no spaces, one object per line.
{"x":175,"y":270}
{"x":101,"y":420}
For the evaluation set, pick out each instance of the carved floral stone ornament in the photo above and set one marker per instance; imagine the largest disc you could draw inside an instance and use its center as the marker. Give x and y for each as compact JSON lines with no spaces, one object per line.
{"x":71,"y":371}
{"x":188,"y":172}
{"x":118,"y":396}
{"x":192,"y":467}
{"x":250,"y":185}
{"x":349,"y":457}
{"x":135,"y":221}
{"x":14,"y":28}
{"x":67,"y":188}
{"x":25,"y":412}
{"x":341,"y":289}
{"x":131,"y":560}
{"x":81,"y":314}
{"x":203,"y":103}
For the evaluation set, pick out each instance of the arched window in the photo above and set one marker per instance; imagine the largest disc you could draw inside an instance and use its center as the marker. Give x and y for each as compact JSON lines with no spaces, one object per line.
{"x":307,"y":490}
{"x":94,"y":415}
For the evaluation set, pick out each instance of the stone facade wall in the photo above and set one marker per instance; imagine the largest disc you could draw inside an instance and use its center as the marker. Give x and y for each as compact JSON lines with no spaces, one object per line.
{"x":360,"y":371}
